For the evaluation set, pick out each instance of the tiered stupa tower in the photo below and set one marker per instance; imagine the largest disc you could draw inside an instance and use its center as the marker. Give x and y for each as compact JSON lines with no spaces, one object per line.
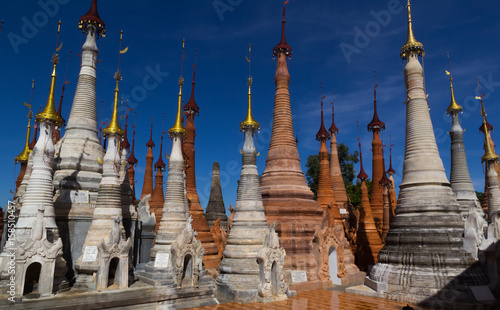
{"x":157,"y":199}
{"x":368,"y":240}
{"x":215,"y":206}
{"x":109,"y":202}
{"x":484,"y":201}
{"x":335,"y":171}
{"x":199,"y":223}
{"x":423,"y":253}
{"x":39,"y":191}
{"x":175,"y":209}
{"x":132,"y":162}
{"x":286,"y":196}
{"x":39,"y":195}
{"x":147,"y":185}
{"x":376,"y":198}
{"x":460,"y":180}
{"x":57,"y":131}
{"x":386,"y":184}
{"x":77,"y":170}
{"x":325,"y":195}
{"x":490,"y":158}
{"x":239,"y":277}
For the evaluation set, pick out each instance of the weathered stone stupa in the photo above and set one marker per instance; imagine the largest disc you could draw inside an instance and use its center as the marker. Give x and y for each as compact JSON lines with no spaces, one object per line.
{"x":286,"y":196}
{"x":200,"y":224}
{"x":215,"y":207}
{"x":423,"y":254}
{"x":376,"y":198}
{"x":109,"y":202}
{"x":460,"y":180}
{"x":175,"y":208}
{"x":239,"y":276}
{"x":39,"y":197}
{"x":77,"y":171}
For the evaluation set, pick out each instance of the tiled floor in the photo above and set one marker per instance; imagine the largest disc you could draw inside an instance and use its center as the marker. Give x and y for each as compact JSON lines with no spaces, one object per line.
{"x":318,"y":299}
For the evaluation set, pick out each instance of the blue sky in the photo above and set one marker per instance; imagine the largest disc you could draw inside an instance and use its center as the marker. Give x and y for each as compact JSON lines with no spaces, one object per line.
{"x":221,"y":31}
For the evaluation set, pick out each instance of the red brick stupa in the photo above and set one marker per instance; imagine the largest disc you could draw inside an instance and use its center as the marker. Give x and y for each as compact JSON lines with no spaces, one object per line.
{"x":157,"y":199}
{"x":132,"y":161}
{"x":368,"y":240}
{"x":335,"y":171}
{"x":211,"y":259}
{"x":376,"y":198}
{"x":325,"y":194}
{"x":286,"y":196}
{"x":147,"y":186}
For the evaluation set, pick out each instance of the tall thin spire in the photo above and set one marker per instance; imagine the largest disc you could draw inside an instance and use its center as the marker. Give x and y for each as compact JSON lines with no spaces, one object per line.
{"x":411,"y":45}
{"x":249,"y":120}
{"x":131,"y":158}
{"x":24,"y":156}
{"x":114,"y":125}
{"x":391,"y":170}
{"x":376,"y":123}
{"x":178,"y":128}
{"x":191,"y":104}
{"x":59,"y":109}
{"x":49,"y":113}
{"x":283,"y":47}
{"x":489,"y":153}
{"x":454,"y":106}
{"x":322,"y":133}
{"x":147,"y":185}
{"x":362,"y":174}
{"x":125,"y":144}
{"x":333,"y":128}
{"x":159,"y":163}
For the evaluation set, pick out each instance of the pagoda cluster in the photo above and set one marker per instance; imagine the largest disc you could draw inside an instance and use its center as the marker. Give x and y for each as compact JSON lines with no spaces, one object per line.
{"x":84,"y":236}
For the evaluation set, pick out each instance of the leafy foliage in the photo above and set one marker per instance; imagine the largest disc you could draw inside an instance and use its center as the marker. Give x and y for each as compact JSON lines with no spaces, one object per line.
{"x":347,"y":161}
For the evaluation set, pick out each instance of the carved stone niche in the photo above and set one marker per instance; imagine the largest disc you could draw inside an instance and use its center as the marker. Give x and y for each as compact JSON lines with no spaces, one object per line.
{"x":271,"y":258}
{"x":39,"y":263}
{"x":113,"y":260}
{"x":187,"y":257}
{"x":331,"y":248}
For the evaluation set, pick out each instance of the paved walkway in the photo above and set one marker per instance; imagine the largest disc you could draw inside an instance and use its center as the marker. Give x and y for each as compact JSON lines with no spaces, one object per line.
{"x":318,"y":299}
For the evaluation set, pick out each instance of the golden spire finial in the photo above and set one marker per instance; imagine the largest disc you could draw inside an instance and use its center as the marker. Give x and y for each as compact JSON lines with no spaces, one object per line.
{"x":454,"y":106}
{"x":411,"y":45}
{"x":114,"y":125}
{"x":249,"y":121}
{"x":49,"y":113}
{"x":489,"y":154}
{"x":178,"y":128}
{"x":24,"y":156}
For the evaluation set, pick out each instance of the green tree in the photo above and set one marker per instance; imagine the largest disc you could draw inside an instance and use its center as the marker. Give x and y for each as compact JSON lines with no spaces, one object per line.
{"x":346,"y":161}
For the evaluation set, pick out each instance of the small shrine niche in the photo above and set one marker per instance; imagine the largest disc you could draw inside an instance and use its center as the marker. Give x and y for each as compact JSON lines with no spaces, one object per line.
{"x":271,"y":258}
{"x":113,"y":260}
{"x":36,"y":262}
{"x":187,"y":255}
